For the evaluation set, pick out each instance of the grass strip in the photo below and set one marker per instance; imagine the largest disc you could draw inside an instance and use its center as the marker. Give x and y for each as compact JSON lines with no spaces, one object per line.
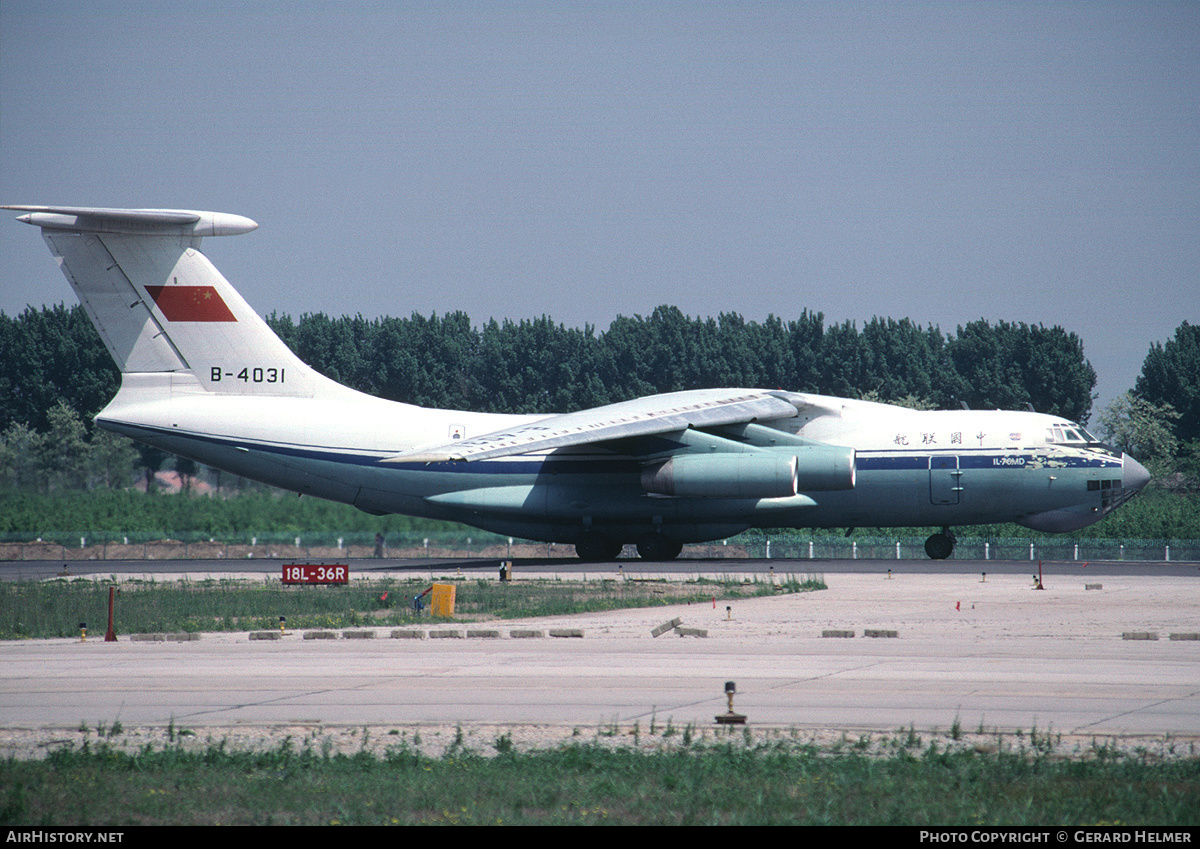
{"x":46,"y":609}
{"x":720,"y":783}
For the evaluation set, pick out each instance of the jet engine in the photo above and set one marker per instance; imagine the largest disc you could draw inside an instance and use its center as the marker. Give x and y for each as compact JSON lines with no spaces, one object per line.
{"x":757,"y":474}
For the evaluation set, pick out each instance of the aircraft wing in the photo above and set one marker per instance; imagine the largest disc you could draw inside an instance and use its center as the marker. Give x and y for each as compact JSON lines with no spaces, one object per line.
{"x":696,"y":408}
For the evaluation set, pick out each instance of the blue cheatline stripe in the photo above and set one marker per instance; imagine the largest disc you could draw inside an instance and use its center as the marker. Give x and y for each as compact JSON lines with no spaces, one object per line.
{"x":917,"y":461}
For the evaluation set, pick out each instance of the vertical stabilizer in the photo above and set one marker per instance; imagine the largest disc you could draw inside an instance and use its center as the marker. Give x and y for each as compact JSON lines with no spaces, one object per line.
{"x":161,"y":307}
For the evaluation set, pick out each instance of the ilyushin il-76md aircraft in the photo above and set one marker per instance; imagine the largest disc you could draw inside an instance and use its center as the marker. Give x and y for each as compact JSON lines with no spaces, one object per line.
{"x":204,"y":377}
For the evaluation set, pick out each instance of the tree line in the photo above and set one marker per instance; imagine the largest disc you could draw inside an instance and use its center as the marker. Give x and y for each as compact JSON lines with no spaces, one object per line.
{"x":538,"y":366}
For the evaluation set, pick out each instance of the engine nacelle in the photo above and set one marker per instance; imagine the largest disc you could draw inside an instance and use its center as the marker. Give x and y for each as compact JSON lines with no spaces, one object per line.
{"x":825,"y":468}
{"x":753,"y":474}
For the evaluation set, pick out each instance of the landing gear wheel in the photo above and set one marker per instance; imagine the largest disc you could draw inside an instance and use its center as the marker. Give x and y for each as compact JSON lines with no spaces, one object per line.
{"x":598,"y":550}
{"x":659,"y":548}
{"x":939,"y":546}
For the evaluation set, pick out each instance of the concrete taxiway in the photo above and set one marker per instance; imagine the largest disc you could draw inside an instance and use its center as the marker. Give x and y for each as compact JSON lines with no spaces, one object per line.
{"x":991,"y":653}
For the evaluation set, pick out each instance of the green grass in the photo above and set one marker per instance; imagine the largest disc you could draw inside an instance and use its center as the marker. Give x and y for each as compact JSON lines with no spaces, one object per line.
{"x":734,"y":782}
{"x":55,"y":608}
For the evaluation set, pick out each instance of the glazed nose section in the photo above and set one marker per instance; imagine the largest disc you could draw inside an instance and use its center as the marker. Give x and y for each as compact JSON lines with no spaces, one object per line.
{"x":1135,"y":475}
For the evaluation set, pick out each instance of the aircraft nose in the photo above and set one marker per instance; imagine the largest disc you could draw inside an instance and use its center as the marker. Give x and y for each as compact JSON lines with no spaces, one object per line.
{"x":1135,"y":475}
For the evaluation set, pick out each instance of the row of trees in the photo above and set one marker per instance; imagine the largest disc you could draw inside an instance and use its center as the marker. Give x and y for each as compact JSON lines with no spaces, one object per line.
{"x":51,"y":355}
{"x":1158,"y":421}
{"x":64,"y":456}
{"x":537,"y":366}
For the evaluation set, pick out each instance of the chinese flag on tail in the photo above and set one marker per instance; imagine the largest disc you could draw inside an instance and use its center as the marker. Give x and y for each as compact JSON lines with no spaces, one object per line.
{"x":190,"y":303}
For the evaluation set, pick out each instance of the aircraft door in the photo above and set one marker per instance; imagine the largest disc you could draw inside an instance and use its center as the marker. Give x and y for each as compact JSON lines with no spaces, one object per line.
{"x":945,"y":479}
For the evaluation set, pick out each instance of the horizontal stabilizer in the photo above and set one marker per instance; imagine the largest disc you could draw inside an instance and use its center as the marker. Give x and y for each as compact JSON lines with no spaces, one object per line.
{"x":162,"y":222}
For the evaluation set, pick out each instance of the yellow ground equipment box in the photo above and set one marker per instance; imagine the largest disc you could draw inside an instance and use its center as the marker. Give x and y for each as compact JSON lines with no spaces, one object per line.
{"x":443,"y":601}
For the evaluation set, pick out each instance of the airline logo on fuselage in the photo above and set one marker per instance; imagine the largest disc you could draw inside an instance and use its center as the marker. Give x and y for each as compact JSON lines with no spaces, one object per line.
{"x":190,"y":303}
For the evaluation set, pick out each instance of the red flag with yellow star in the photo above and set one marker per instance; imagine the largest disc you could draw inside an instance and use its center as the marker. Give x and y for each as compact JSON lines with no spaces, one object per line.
{"x":190,"y":303}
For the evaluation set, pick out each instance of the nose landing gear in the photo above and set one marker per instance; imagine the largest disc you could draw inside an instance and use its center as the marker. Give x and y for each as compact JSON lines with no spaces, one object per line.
{"x":940,"y":546}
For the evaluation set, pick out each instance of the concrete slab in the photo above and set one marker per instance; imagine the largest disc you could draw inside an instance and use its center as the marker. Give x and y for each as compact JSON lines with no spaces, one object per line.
{"x":992,"y":654}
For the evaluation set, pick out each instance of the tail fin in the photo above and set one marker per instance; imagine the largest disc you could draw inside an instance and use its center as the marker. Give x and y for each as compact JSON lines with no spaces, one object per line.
{"x":161,"y":307}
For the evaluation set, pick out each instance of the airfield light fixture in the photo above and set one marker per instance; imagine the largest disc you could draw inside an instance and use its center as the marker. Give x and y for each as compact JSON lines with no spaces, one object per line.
{"x":729,"y":717}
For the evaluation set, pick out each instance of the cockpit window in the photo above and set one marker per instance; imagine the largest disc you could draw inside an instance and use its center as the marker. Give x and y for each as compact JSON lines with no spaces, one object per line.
{"x":1068,"y":434}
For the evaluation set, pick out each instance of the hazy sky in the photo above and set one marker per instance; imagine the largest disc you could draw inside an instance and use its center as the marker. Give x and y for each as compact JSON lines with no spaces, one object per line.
{"x":945,"y":162}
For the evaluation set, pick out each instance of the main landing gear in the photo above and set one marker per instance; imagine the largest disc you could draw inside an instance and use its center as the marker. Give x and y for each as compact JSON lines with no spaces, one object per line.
{"x":659,"y":548}
{"x":940,"y":546}
{"x":600,"y":549}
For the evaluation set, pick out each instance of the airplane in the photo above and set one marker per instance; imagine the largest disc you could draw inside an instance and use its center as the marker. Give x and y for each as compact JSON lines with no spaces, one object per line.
{"x":204,"y":377}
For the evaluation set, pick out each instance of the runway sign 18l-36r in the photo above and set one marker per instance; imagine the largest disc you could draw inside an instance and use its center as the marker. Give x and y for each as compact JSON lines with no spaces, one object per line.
{"x":316,"y":573}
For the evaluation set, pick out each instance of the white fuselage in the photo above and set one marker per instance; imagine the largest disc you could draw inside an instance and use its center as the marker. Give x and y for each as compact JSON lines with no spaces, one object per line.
{"x":914,"y":468}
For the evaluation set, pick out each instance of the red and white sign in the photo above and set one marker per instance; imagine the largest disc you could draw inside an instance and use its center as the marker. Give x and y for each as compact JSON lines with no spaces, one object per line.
{"x":316,"y":573}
